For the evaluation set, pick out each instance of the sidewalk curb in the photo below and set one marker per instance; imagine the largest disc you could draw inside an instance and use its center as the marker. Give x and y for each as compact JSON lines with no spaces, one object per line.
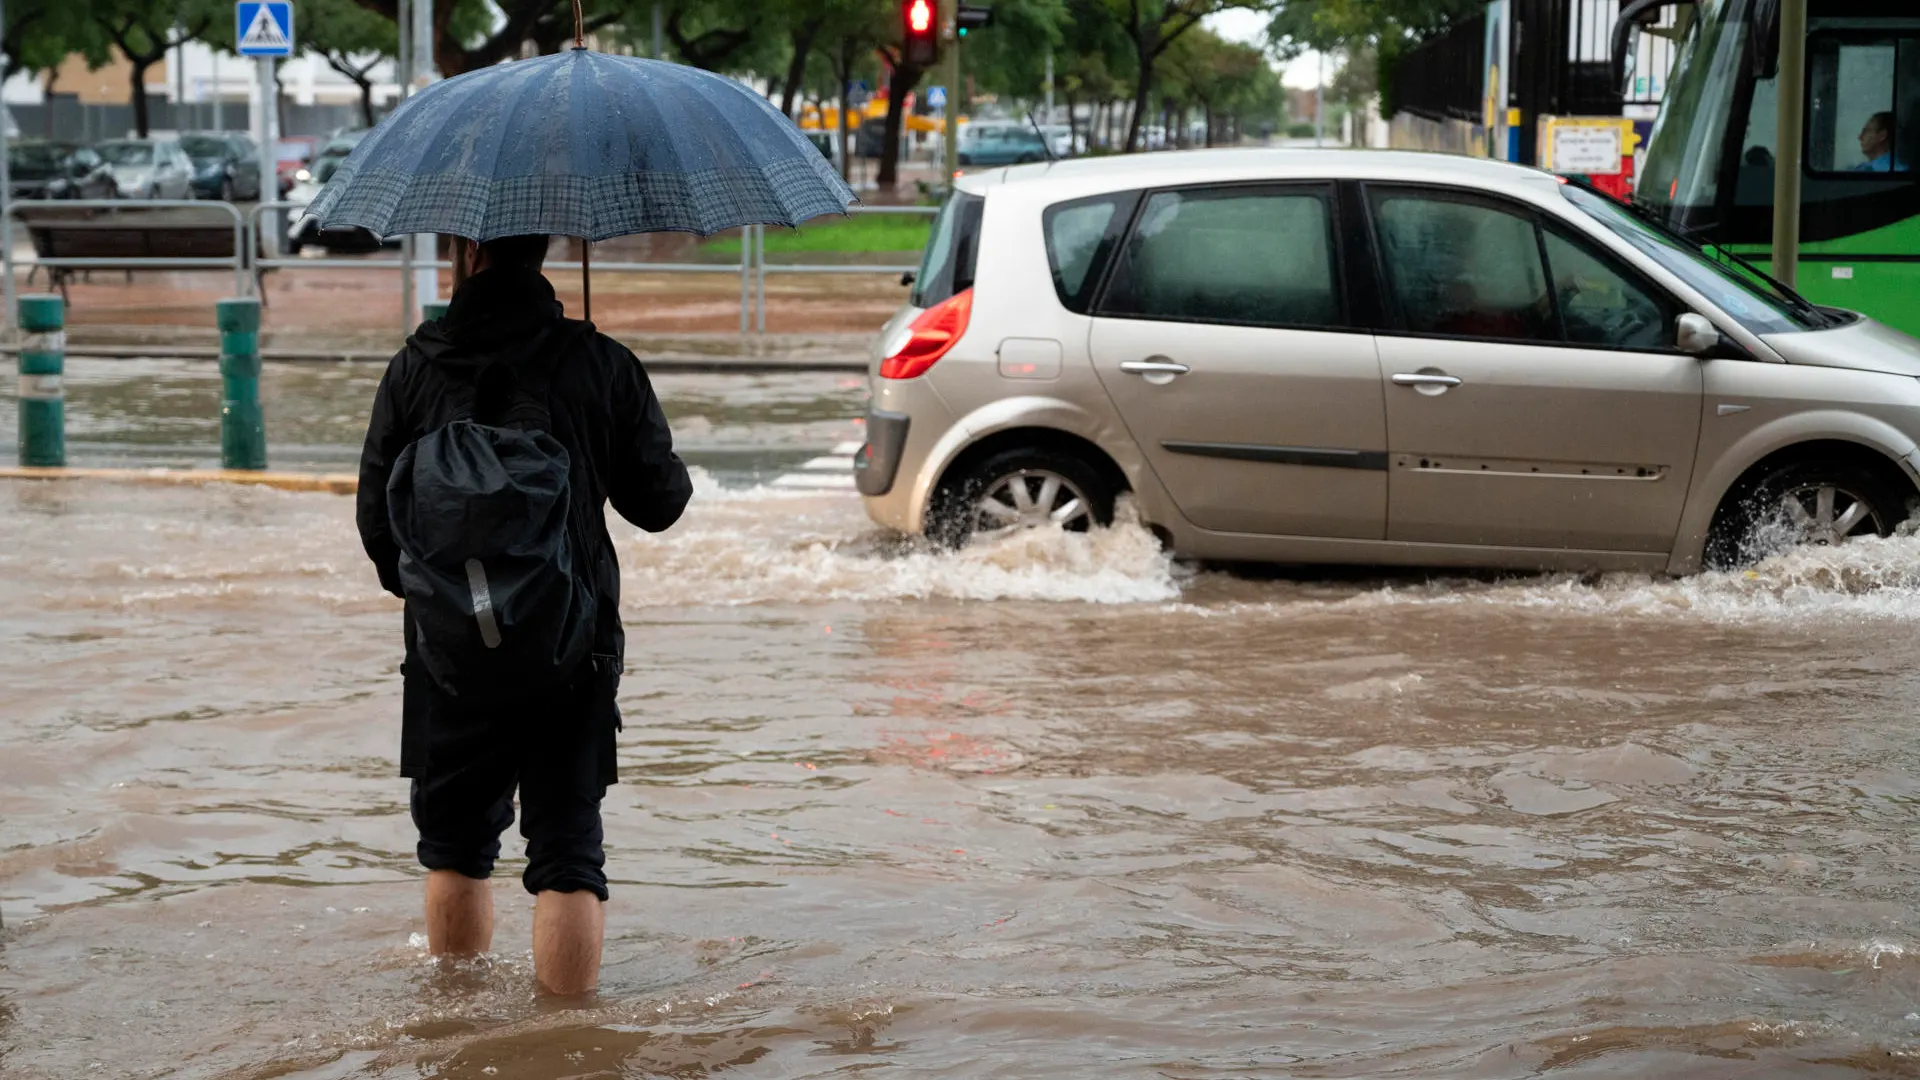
{"x":723,"y":365}
{"x":333,"y":483}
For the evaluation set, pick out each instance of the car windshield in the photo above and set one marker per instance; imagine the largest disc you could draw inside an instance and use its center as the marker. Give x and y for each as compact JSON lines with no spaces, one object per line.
{"x":127,"y":153}
{"x":36,"y":155}
{"x":324,"y":166}
{"x":205,"y":146}
{"x":1760,"y":304}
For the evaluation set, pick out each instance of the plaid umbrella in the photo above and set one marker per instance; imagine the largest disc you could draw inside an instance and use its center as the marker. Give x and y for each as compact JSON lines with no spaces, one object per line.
{"x":581,"y":144}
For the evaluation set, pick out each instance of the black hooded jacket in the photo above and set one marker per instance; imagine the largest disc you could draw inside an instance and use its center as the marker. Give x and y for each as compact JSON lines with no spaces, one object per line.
{"x":603,"y":411}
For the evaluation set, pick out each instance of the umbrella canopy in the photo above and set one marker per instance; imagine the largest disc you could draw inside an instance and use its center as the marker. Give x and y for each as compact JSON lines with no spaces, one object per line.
{"x":581,"y":144}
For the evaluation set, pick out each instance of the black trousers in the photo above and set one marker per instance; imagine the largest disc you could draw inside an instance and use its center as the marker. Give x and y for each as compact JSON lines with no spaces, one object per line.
{"x":467,"y":761}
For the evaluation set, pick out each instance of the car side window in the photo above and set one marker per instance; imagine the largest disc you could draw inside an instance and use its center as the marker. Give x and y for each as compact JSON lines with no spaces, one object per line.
{"x":1602,"y":305}
{"x":1463,"y":269}
{"x":1244,"y":256}
{"x":1080,"y":237}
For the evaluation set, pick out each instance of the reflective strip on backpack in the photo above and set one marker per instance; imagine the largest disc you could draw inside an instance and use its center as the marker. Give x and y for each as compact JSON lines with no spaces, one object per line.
{"x":482,"y":604}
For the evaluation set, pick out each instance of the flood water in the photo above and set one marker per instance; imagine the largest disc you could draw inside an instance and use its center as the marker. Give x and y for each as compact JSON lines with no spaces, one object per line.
{"x":1055,"y":807}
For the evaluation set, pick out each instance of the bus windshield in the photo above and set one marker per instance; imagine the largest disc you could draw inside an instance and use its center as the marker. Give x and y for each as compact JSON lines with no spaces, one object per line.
{"x":1682,"y":168}
{"x":1762,"y":306}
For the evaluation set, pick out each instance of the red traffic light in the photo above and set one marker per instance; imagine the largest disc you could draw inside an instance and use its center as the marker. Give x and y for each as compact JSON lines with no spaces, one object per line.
{"x":919,"y":17}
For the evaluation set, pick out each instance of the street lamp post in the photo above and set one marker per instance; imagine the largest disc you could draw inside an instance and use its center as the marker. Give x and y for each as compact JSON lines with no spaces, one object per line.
{"x":1790,"y":115}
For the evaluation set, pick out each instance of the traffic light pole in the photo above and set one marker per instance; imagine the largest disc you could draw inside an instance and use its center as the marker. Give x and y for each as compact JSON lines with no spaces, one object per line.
{"x":1789,"y":119}
{"x":950,"y":40}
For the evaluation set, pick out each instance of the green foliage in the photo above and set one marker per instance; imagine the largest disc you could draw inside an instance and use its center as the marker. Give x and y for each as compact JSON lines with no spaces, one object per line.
{"x":850,"y":235}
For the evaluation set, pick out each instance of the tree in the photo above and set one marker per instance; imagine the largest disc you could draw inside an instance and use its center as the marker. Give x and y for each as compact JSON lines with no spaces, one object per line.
{"x":1382,"y":30}
{"x":144,"y":33}
{"x":471,"y":34}
{"x":39,"y":34}
{"x":352,"y":40}
{"x":1152,"y":27}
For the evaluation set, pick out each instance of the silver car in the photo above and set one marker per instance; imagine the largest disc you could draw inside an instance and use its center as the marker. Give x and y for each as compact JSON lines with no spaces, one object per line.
{"x":1373,"y":357}
{"x":148,"y":168}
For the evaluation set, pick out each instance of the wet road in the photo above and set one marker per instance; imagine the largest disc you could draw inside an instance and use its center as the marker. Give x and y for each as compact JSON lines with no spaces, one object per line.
{"x":1056,"y":807}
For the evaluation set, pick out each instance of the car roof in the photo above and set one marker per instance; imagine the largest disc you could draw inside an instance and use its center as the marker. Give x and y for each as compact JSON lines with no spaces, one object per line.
{"x":1123,"y":172}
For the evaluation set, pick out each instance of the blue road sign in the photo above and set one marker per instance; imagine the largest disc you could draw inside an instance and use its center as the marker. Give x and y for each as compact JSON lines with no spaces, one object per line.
{"x":263,"y":27}
{"x":937,"y":97}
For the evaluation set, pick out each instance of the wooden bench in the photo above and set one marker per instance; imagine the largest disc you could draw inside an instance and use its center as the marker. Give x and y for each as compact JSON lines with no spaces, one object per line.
{"x":129,"y":234}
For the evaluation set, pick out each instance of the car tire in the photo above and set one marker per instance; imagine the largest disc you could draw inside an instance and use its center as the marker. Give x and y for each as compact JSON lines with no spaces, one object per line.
{"x":1836,"y":500}
{"x":1021,"y":487}
{"x":226,"y":190}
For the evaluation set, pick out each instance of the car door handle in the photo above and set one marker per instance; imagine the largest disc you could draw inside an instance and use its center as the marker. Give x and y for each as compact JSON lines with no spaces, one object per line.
{"x":1154,"y":367}
{"x":1424,"y":379}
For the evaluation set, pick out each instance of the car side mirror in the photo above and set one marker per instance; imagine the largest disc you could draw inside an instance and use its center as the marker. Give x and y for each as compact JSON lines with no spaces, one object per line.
{"x":908,"y":277}
{"x":1695,"y":334}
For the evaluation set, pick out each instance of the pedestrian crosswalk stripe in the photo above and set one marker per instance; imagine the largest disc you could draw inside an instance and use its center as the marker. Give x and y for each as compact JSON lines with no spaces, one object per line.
{"x":832,"y":471}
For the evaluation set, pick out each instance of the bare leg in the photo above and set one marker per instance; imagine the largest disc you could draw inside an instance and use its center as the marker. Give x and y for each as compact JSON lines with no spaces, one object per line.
{"x":459,"y":914}
{"x":567,"y":930}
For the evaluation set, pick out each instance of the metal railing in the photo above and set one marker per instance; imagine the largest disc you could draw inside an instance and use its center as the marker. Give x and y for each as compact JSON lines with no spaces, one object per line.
{"x":251,"y":258}
{"x":763,"y":268}
{"x":237,"y":261}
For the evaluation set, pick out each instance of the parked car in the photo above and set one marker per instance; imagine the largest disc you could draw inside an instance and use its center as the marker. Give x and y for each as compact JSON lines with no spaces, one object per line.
{"x":51,"y":169}
{"x":303,"y":229}
{"x":1379,"y":358}
{"x":226,"y":166}
{"x":148,"y":168}
{"x":291,"y":154}
{"x":1009,"y":145}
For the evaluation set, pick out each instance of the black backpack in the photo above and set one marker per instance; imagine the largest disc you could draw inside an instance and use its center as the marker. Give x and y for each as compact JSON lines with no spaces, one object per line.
{"x":495,"y":577}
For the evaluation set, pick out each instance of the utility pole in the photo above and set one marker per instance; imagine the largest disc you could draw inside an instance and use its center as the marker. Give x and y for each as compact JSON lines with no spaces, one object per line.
{"x":426,"y":279}
{"x":1790,"y":116}
{"x":1320,"y":104}
{"x":950,"y":143}
{"x":1049,"y":113}
{"x":219,"y":109}
{"x":179,"y":74}
{"x":6,"y":218}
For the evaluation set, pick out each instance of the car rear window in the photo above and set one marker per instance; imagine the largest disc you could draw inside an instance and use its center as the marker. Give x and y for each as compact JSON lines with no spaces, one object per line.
{"x":1238,"y":255}
{"x":1081,"y":236}
{"x":946,"y":267}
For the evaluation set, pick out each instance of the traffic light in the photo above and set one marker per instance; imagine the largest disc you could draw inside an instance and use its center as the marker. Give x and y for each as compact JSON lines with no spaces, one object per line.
{"x":921,"y":20}
{"x":971,"y":17}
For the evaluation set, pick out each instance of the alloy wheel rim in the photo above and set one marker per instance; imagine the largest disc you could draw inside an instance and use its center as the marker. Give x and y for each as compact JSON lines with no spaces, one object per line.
{"x":1032,"y":499}
{"x":1826,"y":515}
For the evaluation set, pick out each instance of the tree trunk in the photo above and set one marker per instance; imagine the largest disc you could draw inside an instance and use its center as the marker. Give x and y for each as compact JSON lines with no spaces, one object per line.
{"x":843,"y":71}
{"x":1142,"y":87}
{"x":366,"y":100}
{"x":1073,"y":126}
{"x":802,"y":39}
{"x":899,"y":84}
{"x":139,"y":68}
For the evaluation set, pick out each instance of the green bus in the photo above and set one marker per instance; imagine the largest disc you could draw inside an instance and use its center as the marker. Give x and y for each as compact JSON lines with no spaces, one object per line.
{"x":1708,"y":169}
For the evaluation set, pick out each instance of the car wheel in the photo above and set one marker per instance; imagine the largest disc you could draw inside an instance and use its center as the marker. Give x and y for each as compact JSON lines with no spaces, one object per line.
{"x":1020,"y":488}
{"x":226,"y":190}
{"x":1821,"y":503}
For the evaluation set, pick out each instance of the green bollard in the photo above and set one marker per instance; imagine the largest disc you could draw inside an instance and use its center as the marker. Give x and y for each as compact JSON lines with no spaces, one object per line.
{"x":243,"y":431}
{"x":433,"y":310}
{"x":43,"y":363}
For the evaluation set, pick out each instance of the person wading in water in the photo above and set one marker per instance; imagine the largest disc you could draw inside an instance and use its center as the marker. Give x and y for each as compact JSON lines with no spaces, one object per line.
{"x":498,"y":435}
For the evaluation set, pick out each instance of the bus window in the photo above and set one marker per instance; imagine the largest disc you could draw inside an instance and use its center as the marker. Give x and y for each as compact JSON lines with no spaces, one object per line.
{"x":1684,"y":152}
{"x":1862,"y":103}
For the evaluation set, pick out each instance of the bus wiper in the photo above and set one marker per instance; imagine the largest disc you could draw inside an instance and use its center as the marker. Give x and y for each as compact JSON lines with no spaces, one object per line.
{"x":1805,"y":307}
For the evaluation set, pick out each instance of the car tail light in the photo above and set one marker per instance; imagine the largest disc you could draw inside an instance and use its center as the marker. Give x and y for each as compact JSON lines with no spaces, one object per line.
{"x":929,"y":337}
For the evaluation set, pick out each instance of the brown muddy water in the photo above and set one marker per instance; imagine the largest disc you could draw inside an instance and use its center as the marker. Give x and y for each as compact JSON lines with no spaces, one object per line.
{"x":1056,"y":807}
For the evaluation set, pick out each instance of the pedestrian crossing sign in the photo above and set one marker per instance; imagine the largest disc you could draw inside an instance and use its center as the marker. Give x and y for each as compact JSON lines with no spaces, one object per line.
{"x":263,"y":27}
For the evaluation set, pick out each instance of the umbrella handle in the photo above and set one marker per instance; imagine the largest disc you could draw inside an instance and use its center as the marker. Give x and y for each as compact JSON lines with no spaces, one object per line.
{"x":586,"y":279}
